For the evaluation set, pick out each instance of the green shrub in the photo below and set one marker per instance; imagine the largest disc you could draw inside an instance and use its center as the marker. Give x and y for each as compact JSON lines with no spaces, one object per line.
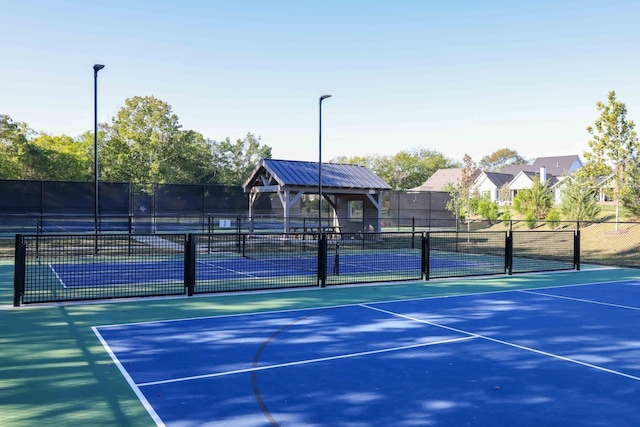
{"x":530,"y":219}
{"x":506,"y":217}
{"x":488,"y":210}
{"x":553,"y":218}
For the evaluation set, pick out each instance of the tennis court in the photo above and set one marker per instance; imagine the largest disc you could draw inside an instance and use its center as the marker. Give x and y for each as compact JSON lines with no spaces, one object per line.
{"x":554,"y":356}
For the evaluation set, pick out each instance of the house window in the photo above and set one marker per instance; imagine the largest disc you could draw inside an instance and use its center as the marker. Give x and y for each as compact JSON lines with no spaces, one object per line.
{"x":355,"y":210}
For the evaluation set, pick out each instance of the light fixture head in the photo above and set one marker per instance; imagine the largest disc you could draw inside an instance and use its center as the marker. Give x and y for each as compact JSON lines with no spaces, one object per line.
{"x":98,"y":67}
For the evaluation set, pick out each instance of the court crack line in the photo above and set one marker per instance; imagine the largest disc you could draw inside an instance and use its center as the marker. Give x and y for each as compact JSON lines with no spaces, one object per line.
{"x":510,"y":344}
{"x":254,"y":376}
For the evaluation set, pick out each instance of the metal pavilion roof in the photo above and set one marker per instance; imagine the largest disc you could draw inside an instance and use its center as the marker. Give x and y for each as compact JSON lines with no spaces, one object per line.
{"x":292,"y":173}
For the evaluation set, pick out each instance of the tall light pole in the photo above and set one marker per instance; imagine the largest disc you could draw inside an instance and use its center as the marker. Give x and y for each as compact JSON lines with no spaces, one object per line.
{"x":322,"y":98}
{"x":96,"y":68}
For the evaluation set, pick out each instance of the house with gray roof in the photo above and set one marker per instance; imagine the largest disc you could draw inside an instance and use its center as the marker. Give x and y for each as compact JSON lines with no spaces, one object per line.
{"x":525,"y":179}
{"x":343,"y":186}
{"x":554,"y":165}
{"x":488,"y":184}
{"x":552,"y":170}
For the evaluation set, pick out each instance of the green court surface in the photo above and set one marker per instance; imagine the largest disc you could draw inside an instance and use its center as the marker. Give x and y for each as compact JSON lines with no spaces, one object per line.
{"x":54,"y":370}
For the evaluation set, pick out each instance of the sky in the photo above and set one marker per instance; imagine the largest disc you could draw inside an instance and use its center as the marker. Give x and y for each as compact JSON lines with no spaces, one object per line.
{"x":456,"y":77}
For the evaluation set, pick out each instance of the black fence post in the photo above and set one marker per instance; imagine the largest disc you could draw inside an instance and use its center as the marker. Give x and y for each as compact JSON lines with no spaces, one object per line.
{"x":508,"y":252}
{"x":426,"y":248}
{"x":241,"y":242}
{"x":576,"y":249}
{"x":190,"y":264}
{"x":38,"y":245}
{"x":322,"y":260}
{"x":413,"y":231}
{"x":129,"y":244}
{"x":19,"y":270}
{"x":209,"y":231}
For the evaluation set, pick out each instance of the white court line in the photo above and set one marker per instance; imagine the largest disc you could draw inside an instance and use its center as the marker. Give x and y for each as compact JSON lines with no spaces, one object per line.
{"x":64,"y":285}
{"x":230,"y":270}
{"x":628,"y":307}
{"x":337,"y":287}
{"x":276,"y":267}
{"x":304,"y":362}
{"x":145,"y":403}
{"x":510,"y":344}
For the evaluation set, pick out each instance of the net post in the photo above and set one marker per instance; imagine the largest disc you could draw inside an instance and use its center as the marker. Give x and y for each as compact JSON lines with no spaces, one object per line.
{"x":190,"y":264}
{"x":336,"y":260}
{"x":242,"y":245}
{"x":19,"y":270}
{"x":576,"y":249}
{"x":322,"y":260}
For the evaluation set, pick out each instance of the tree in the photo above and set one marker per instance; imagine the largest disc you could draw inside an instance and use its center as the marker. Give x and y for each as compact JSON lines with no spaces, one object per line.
{"x":505,"y":193}
{"x":145,"y":144}
{"x":631,"y":197}
{"x":405,"y":169}
{"x":25,"y":155}
{"x":190,"y":161}
{"x":534,"y":202}
{"x":579,"y":201}
{"x":234,"y":161}
{"x":461,"y":192}
{"x":497,"y":160}
{"x":13,"y":136}
{"x":367,"y":161}
{"x":614,"y":144}
{"x":48,"y":157}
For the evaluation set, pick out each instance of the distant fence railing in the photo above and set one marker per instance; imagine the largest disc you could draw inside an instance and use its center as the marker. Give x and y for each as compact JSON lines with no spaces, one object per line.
{"x":12,"y":224}
{"x":68,"y":267}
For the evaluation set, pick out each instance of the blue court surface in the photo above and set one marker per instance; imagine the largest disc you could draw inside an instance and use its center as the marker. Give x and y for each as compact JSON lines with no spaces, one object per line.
{"x":73,"y":275}
{"x":564,"y":356}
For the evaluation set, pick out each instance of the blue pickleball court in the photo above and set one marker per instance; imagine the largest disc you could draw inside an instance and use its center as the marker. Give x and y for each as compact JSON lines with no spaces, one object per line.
{"x":101,"y":274}
{"x":548,"y":357}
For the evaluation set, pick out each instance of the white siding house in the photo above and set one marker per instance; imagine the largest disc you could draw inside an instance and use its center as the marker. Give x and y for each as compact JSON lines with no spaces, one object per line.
{"x":525,"y":180}
{"x":489,"y":184}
